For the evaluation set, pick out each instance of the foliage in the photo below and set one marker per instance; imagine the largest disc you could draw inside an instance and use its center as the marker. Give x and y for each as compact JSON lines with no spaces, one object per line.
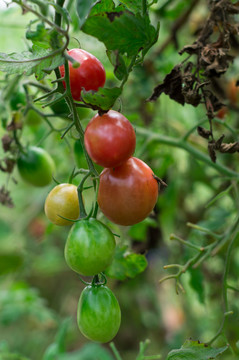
{"x":171,"y":68}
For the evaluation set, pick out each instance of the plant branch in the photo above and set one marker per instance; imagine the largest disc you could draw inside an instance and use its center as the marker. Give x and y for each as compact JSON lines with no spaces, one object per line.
{"x":166,"y":140}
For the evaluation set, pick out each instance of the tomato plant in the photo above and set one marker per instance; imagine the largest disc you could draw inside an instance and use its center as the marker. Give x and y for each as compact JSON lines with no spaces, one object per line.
{"x":62,"y":201}
{"x":36,"y":166}
{"x":90,"y":75}
{"x":90,"y":247}
{"x":98,"y":313}
{"x":127,"y":194}
{"x":110,"y":139}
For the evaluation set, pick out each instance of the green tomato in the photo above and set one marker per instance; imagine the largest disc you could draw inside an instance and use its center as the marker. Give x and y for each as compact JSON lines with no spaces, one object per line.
{"x":36,"y":166}
{"x":61,"y":108}
{"x":90,"y":247}
{"x":18,"y":99}
{"x":32,"y":118}
{"x":98,"y":313}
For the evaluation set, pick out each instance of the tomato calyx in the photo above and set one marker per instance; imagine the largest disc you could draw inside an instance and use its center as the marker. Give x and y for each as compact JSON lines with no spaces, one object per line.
{"x":97,"y":281}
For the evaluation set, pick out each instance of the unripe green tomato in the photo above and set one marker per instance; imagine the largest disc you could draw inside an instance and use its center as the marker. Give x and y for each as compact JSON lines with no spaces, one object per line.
{"x":32,"y":118}
{"x":18,"y":99}
{"x":61,"y":108}
{"x":63,"y":201}
{"x":36,"y":166}
{"x":90,"y":247}
{"x":98,"y":313}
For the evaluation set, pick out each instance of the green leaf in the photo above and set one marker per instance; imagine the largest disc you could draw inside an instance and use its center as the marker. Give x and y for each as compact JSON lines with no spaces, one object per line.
{"x":102,"y":7}
{"x":126,"y":265}
{"x":193,"y":350}
{"x":122,"y":31}
{"x":196,"y":282}
{"x":133,"y":5}
{"x":30,"y":62}
{"x":139,"y":231}
{"x":83,"y":8}
{"x":117,"y":60}
{"x":10,"y":263}
{"x":103,"y":99}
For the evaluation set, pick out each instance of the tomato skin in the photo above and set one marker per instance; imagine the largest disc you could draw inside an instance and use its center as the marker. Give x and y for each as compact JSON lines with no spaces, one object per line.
{"x":98,"y":313}
{"x":90,"y":247}
{"x":36,"y":166}
{"x":110,"y":139}
{"x":62,"y":200}
{"x":90,"y":75}
{"x":18,"y":99}
{"x":127,"y":194}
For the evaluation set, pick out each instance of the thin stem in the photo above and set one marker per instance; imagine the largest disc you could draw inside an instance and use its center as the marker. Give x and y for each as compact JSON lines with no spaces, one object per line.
{"x":115,"y":351}
{"x":167,"y":140}
{"x":202,"y":229}
{"x":144,"y":7}
{"x":186,"y":243}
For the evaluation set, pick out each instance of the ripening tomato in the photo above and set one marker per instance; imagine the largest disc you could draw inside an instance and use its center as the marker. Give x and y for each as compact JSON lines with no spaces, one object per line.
{"x":110,"y":139}
{"x":233,"y":92}
{"x":98,"y":313}
{"x":127,"y":194}
{"x":90,"y":247}
{"x":90,"y":75}
{"x":222,"y":112}
{"x":62,"y":201}
{"x":36,"y":166}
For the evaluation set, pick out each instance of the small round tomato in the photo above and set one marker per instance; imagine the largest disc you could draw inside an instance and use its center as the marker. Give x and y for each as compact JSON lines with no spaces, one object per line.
{"x":98,"y":313}
{"x":36,"y":166}
{"x":127,"y":194}
{"x":18,"y":99}
{"x":62,"y":201}
{"x":110,"y":139}
{"x":90,"y":247}
{"x":90,"y":75}
{"x":32,"y":118}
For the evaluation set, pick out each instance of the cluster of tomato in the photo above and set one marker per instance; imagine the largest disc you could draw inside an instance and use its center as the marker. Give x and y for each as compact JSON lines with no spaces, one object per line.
{"x":127,"y":193}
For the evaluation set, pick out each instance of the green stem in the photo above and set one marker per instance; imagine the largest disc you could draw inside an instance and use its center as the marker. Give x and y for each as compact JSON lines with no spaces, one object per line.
{"x":58,"y":17}
{"x":115,"y":351}
{"x":186,"y":243}
{"x":144,"y":7}
{"x":167,"y":140}
{"x":76,"y":119}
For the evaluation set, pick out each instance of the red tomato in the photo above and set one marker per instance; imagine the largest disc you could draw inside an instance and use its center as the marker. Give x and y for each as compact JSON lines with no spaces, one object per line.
{"x":110,"y":139}
{"x":127,"y":194}
{"x":90,"y":75}
{"x":222,"y":112}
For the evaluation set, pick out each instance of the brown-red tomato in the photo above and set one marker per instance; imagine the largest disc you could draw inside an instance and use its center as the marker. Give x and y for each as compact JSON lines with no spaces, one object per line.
{"x":127,"y":194}
{"x":110,"y":139}
{"x":90,"y":75}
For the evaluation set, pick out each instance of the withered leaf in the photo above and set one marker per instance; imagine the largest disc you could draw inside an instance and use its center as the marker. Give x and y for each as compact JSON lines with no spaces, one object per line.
{"x":172,"y":86}
{"x":204,"y":132}
{"x":5,"y":198}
